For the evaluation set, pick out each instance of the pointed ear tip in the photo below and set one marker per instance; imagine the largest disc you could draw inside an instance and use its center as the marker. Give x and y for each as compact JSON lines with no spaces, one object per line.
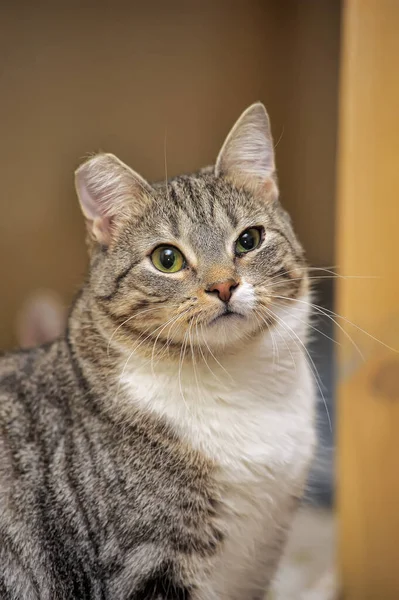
{"x":92,"y":160}
{"x":258,"y":105}
{"x":257,"y":109}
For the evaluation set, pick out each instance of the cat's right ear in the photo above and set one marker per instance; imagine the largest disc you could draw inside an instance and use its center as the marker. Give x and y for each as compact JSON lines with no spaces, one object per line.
{"x":108,"y":191}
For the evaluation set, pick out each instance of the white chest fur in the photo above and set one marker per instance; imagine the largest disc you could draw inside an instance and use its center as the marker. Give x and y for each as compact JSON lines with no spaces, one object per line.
{"x":255,"y":421}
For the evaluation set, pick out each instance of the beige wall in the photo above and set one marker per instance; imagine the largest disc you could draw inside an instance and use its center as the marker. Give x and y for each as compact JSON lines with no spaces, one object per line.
{"x":122,"y":78}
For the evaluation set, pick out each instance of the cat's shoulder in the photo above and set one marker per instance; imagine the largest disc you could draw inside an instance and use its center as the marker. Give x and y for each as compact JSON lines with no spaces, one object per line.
{"x":20,"y":365}
{"x":14,"y":363}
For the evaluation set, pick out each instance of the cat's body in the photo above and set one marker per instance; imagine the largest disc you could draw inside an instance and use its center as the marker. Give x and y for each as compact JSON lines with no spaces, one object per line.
{"x":86,"y":483}
{"x":160,"y":449}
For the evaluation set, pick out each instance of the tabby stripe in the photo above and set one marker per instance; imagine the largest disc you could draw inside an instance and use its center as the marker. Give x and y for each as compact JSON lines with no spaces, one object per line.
{"x":92,"y":465}
{"x":281,"y":273}
{"x":13,"y":451}
{"x":13,"y":443}
{"x":73,"y":480}
{"x":181,"y":205}
{"x":280,"y":233}
{"x":68,"y":569}
{"x":4,"y":592}
{"x":81,"y":582}
{"x":198,"y":211}
{"x":80,"y":378}
{"x":118,"y":282}
{"x":97,"y":473}
{"x":232,"y":218}
{"x":144,"y":291}
{"x":210,"y":188}
{"x":172,"y":216}
{"x":174,"y":196}
{"x":120,"y":320}
{"x":49,"y":504}
{"x":9,"y":546}
{"x":161,"y":586}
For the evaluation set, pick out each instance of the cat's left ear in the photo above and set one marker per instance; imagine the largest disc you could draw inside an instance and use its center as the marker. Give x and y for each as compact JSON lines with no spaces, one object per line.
{"x":109,"y":192}
{"x":247,"y":155}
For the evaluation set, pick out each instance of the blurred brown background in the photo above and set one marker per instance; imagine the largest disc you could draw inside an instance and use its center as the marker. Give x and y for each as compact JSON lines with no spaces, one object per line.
{"x":124,"y":76}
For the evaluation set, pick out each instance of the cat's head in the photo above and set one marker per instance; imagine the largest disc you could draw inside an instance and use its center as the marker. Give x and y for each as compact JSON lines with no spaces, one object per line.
{"x":203,"y":259}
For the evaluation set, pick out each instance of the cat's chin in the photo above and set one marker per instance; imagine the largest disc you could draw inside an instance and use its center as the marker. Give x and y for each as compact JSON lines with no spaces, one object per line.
{"x":228,"y":316}
{"x":228,"y":328}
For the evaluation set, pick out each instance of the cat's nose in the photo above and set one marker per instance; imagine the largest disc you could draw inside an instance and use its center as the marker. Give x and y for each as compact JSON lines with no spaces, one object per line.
{"x":223,"y":289}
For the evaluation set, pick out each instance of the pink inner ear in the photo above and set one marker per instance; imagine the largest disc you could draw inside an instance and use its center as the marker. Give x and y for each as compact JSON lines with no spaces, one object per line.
{"x":87,"y":203}
{"x":101,"y":228}
{"x":98,"y":224}
{"x":107,"y":191}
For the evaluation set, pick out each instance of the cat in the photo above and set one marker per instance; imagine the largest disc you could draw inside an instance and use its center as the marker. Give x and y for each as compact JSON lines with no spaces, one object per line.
{"x":159,"y":449}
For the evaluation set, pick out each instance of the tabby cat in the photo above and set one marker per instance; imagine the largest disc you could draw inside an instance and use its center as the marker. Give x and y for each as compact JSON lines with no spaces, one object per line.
{"x":158,"y":450}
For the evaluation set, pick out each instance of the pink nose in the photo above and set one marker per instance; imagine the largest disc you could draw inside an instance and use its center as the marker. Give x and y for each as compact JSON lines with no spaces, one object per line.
{"x":223,"y":289}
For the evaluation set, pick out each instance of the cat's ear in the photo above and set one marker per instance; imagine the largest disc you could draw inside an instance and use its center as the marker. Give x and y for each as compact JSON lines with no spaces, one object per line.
{"x":247,"y":155}
{"x":108,"y":191}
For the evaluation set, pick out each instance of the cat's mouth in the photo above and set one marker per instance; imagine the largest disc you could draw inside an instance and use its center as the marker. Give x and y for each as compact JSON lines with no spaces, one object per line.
{"x":226,"y":315}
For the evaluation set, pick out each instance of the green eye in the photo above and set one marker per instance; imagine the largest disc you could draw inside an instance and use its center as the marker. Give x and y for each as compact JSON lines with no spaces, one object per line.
{"x":248,"y":240}
{"x":167,"y":259}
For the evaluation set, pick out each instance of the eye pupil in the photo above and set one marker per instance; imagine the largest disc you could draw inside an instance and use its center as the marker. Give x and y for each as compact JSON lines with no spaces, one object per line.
{"x":247,"y":240}
{"x":167,"y":258}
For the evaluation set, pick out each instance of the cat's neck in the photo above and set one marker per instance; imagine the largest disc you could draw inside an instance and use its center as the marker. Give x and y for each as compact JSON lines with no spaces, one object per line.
{"x":224,"y":406}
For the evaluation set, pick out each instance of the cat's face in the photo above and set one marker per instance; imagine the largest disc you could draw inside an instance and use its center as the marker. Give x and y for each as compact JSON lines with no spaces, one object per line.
{"x":204,"y":261}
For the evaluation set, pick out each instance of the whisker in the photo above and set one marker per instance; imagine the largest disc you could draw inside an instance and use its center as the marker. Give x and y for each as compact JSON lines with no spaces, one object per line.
{"x":129,"y":319}
{"x":166,"y":167}
{"x":285,"y":342}
{"x":182,"y":355}
{"x":329,"y":270}
{"x":271,"y":336}
{"x":325,"y":270}
{"x":164,"y":349}
{"x":274,"y":346}
{"x":281,"y":306}
{"x":314,"y":370}
{"x":280,"y":138}
{"x":202,"y":353}
{"x":193,"y":359}
{"x":168,"y":341}
{"x":360,"y":329}
{"x":136,"y":348}
{"x":214,"y":357}
{"x":324,"y":312}
{"x":319,"y":278}
{"x":156,"y":341}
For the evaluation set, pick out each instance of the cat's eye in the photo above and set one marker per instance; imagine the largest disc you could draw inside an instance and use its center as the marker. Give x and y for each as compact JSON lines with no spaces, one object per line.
{"x":248,"y":240}
{"x":168,"y":259}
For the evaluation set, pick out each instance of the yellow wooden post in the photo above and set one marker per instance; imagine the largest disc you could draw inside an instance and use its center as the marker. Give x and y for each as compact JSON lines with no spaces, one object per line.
{"x":368,"y":244}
